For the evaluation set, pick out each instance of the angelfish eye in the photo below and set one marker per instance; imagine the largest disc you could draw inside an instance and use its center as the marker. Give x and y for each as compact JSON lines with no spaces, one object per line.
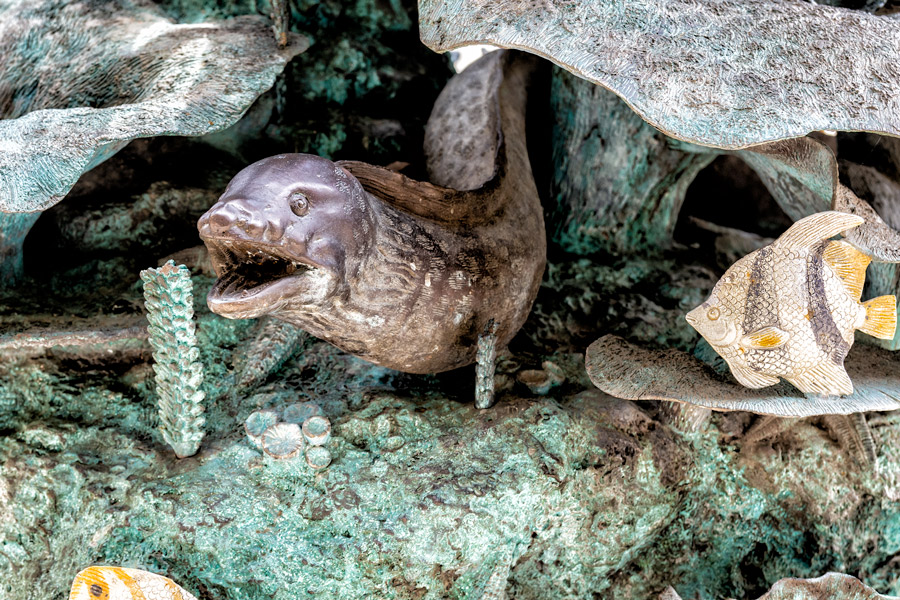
{"x":299,"y":203}
{"x":712,"y":314}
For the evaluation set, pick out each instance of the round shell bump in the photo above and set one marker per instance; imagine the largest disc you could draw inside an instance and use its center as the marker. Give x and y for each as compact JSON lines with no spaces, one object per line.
{"x":301,"y":411}
{"x":282,"y":440}
{"x":317,"y":430}
{"x":318,"y":457}
{"x":257,"y":423}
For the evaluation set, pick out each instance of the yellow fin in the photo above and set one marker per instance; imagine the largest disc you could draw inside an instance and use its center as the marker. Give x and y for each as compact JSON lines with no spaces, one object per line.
{"x":849,"y":264}
{"x":91,"y":583}
{"x":767,"y":337}
{"x":826,"y":378}
{"x":747,"y":377}
{"x":818,"y":227}
{"x":881,"y":317}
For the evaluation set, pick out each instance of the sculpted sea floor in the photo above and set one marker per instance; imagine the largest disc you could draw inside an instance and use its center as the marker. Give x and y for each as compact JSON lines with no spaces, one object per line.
{"x":563,"y":495}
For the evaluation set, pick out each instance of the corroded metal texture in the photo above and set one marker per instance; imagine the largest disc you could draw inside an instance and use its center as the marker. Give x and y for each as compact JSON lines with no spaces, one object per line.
{"x":403,"y":273}
{"x":723,"y":73}
{"x":111,"y":72}
{"x":616,"y":184}
{"x":627,"y":371}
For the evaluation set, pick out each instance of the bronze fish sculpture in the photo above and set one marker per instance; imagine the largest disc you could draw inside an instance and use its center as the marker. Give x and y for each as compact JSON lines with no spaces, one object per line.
{"x":790,"y":309}
{"x":402,"y":273}
{"x":119,"y":583}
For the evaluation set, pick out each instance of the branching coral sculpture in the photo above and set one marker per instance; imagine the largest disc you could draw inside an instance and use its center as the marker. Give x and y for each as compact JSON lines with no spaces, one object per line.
{"x":485,"y":365}
{"x":169,"y":299}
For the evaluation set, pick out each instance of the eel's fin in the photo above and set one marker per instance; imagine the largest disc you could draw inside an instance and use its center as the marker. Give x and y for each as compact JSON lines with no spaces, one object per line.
{"x":420,"y":198}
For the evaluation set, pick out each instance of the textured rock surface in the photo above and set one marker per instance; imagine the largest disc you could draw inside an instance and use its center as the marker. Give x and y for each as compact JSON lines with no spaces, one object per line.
{"x":573,"y":492}
{"x":727,"y":74}
{"x":617,"y":185}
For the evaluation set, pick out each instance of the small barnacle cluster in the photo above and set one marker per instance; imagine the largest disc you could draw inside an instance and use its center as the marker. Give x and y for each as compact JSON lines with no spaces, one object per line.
{"x":302,"y":428}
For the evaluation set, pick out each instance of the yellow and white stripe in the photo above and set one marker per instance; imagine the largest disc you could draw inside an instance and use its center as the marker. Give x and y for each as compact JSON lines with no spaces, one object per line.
{"x":119,"y":583}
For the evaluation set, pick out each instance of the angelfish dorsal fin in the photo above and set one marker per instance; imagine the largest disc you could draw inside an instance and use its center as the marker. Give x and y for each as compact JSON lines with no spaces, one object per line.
{"x":765,"y":338}
{"x":815,"y":228}
{"x":849,"y":264}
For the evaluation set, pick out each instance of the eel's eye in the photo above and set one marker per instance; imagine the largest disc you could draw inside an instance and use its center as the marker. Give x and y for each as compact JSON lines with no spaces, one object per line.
{"x":299,"y":203}
{"x":712,"y":314}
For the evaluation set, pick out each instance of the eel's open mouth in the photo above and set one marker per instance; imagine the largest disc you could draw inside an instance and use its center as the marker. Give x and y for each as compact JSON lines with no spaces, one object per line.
{"x":253,"y":277}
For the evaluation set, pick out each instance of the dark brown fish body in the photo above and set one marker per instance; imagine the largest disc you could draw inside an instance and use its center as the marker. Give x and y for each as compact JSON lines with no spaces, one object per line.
{"x":401,"y":273}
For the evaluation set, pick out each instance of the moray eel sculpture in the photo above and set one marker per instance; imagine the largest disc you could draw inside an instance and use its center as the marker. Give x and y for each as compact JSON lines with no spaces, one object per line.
{"x":402,"y":273}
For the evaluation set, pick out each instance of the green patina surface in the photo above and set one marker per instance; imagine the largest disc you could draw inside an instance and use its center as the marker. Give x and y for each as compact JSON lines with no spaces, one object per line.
{"x":617,"y":183}
{"x":576,"y":494}
{"x":566,"y":495}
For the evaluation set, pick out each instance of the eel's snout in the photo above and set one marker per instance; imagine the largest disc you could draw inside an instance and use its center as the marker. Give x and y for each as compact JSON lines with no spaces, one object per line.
{"x":235,"y":219}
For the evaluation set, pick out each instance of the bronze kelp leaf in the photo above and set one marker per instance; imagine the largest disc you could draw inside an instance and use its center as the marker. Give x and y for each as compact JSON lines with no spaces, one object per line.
{"x":802,"y":175}
{"x":112,"y":72}
{"x":723,"y":73}
{"x":631,"y":372}
{"x":874,"y":237}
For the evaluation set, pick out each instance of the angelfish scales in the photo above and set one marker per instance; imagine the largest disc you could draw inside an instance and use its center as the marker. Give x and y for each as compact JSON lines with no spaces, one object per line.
{"x":790,"y":309}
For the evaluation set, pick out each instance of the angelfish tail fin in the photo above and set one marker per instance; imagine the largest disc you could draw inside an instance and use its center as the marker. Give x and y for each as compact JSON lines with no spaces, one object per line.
{"x":881,"y":317}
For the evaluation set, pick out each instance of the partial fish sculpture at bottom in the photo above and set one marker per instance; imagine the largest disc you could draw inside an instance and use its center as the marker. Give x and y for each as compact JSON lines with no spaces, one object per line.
{"x":119,"y":583}
{"x":790,"y":309}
